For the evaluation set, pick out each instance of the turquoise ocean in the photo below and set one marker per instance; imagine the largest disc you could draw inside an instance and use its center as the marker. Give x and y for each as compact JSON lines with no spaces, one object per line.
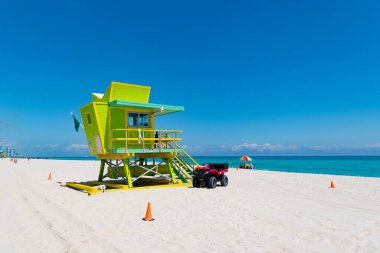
{"x":364,"y":166}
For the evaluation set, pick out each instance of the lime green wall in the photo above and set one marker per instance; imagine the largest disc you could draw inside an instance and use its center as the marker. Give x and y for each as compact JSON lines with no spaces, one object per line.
{"x":118,"y":121}
{"x":132,"y":93}
{"x":102,"y":112}
{"x":92,"y":129}
{"x":126,"y":92}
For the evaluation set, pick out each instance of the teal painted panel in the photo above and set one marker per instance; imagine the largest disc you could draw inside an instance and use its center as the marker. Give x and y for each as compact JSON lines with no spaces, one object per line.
{"x":158,"y":109}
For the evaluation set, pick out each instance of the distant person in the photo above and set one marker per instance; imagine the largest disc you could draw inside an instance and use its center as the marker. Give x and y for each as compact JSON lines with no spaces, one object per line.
{"x":251,"y":166}
{"x":156,"y":140}
{"x":241,"y":166}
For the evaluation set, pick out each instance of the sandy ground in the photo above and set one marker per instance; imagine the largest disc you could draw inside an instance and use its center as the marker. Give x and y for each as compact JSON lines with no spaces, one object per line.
{"x":259,"y":211}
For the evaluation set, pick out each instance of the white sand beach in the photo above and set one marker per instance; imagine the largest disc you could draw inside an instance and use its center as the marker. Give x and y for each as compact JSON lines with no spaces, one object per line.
{"x":259,"y":211}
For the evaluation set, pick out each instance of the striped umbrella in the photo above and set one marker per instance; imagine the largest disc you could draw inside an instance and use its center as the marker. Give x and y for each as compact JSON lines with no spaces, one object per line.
{"x":246,"y":158}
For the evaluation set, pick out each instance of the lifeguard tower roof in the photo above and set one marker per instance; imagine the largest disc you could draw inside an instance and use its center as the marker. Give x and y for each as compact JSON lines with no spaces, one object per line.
{"x":133,"y":96}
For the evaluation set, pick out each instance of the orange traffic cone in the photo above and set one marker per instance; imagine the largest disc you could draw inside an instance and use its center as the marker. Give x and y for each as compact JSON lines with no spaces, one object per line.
{"x":148,"y":215}
{"x":49,"y":177}
{"x":332,"y":185}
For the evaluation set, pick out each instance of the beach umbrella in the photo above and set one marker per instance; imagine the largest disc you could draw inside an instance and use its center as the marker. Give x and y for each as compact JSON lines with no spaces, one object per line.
{"x":246,"y":158}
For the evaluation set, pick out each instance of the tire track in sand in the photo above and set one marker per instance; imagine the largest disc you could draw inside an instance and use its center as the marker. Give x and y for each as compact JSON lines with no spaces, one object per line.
{"x":75,"y":235}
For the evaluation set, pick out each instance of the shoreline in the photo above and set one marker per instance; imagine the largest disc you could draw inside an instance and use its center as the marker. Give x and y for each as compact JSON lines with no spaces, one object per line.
{"x":257,"y":169}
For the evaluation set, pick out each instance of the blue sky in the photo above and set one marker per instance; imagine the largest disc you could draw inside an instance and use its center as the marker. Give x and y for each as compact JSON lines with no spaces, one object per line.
{"x":255,"y":77}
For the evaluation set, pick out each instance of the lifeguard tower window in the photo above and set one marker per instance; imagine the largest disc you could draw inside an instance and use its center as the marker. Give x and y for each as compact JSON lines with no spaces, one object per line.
{"x":136,"y":119}
{"x":88,"y":118}
{"x":143,"y":119}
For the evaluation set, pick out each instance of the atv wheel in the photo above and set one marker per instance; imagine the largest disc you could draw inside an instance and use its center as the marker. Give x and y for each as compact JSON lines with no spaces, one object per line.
{"x":196,"y":182}
{"x":212,"y":182}
{"x":223,"y":180}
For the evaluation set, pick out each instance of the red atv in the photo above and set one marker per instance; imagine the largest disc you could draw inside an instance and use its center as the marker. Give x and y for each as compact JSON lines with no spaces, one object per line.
{"x":210,"y":174}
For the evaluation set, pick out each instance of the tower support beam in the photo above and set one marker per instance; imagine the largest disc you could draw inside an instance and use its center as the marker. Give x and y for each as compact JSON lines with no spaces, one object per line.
{"x":127,"y":173}
{"x":101,"y":171}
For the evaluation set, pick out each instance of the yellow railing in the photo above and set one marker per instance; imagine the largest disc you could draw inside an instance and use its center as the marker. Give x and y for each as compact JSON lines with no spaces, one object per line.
{"x":137,"y":136}
{"x":186,"y":155}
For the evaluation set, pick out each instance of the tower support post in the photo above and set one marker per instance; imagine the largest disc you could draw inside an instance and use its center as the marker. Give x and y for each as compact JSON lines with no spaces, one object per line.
{"x":172,"y":174}
{"x":128,"y":173}
{"x":101,"y":171}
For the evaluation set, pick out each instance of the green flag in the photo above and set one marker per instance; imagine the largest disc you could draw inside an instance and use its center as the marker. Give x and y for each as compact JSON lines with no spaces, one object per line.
{"x":76,"y":122}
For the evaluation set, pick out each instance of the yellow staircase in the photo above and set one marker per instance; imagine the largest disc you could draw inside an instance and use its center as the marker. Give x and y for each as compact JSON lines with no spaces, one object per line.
{"x":182,"y":161}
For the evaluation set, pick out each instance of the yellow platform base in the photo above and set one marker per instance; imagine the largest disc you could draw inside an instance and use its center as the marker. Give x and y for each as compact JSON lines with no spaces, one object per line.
{"x":93,"y":187}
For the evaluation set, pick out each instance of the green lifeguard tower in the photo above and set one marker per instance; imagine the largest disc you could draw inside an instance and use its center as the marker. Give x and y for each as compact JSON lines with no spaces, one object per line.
{"x":119,"y":127}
